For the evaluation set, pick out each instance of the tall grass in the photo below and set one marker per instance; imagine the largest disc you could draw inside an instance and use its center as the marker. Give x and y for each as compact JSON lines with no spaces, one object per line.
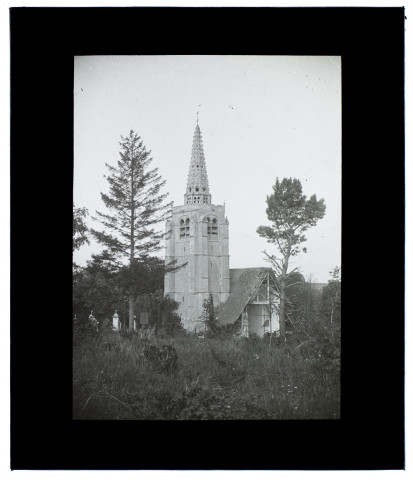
{"x":215,"y":378}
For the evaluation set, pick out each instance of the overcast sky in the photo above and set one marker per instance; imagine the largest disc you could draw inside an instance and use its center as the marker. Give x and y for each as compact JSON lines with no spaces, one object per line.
{"x":261,"y":117}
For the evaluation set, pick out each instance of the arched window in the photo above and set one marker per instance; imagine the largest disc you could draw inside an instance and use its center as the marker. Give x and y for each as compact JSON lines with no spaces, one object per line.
{"x":184,"y":228}
{"x":207,"y":222}
{"x":212,"y":227}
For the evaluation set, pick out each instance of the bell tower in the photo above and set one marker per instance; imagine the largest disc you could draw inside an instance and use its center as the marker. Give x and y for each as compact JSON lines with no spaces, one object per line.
{"x":197,"y":234}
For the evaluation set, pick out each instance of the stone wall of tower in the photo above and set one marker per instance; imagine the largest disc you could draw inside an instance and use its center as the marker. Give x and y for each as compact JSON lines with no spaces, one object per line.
{"x":206,"y":255}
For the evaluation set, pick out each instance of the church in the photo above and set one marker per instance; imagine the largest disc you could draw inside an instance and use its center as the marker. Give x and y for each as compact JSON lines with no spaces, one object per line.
{"x":198,"y":236}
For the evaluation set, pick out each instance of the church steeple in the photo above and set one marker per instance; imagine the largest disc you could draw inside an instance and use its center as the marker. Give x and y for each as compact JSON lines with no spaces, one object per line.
{"x":197,"y":188}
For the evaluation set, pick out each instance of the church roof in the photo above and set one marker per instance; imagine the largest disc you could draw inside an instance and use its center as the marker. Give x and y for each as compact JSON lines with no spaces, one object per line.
{"x":243,"y":283}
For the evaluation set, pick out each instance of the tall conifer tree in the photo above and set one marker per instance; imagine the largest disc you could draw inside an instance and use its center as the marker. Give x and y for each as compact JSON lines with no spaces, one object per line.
{"x":290,"y":214}
{"x":137,"y":204}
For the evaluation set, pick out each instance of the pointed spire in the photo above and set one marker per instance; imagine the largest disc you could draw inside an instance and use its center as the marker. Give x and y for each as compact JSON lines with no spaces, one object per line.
{"x":197,"y":188}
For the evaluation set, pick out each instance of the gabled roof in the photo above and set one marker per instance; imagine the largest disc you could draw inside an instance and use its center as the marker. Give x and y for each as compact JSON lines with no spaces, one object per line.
{"x":243,"y":283}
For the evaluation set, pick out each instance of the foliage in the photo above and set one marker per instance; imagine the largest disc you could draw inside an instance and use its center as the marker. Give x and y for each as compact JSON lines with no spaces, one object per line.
{"x":301,"y":304}
{"x":161,"y":312}
{"x":96,"y":287}
{"x":170,"y":320}
{"x":138,"y":206}
{"x":102,"y":286}
{"x":148,"y":272}
{"x":291,"y":215}
{"x":331,"y":298}
{"x":214,"y":379}
{"x":209,"y":317}
{"x":80,"y":230}
{"x":316,"y":323}
{"x":82,"y":328}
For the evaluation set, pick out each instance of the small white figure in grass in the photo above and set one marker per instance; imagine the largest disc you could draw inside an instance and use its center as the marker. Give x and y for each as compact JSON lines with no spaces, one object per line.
{"x":115,"y":324}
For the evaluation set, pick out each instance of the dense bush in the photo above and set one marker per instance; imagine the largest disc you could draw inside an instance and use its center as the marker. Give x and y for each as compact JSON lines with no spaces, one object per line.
{"x":213,"y":378}
{"x":208,"y":317}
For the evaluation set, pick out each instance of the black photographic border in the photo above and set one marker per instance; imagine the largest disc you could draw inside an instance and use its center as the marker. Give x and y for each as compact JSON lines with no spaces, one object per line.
{"x":370,"y":433}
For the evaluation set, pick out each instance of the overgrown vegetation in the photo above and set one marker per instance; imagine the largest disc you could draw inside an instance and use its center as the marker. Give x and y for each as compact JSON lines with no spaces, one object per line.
{"x":209,"y":317}
{"x":124,"y":376}
{"x":80,"y":230}
{"x":103,"y":287}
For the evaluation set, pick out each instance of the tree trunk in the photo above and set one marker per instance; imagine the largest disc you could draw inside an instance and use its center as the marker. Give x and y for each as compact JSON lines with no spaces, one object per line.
{"x":132,"y":254}
{"x":131,"y":308}
{"x":282,"y":292}
{"x":333,"y":302}
{"x":282,"y":312}
{"x":131,"y":296}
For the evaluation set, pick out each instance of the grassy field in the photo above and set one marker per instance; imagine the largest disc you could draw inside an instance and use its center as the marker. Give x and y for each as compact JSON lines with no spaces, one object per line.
{"x":214,"y":379}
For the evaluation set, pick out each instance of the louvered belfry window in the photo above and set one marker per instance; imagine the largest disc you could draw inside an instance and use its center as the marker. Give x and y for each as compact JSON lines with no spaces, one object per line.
{"x":212,"y":227}
{"x":184,"y":228}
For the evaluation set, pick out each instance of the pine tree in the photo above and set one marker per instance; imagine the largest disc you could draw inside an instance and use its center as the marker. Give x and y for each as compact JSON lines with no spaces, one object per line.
{"x":80,"y":230}
{"x":137,"y":204}
{"x":291,"y":215}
